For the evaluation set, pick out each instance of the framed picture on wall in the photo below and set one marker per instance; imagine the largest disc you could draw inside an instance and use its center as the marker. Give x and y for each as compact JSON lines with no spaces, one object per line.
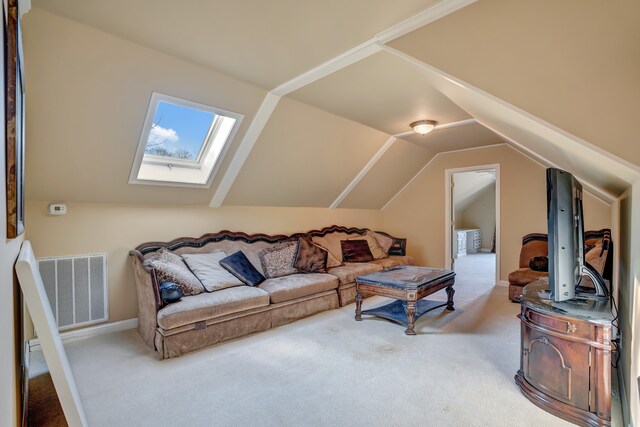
{"x":14,"y":111}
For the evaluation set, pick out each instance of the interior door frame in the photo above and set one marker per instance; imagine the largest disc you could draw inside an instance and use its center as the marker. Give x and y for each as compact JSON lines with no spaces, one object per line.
{"x":448,"y":244}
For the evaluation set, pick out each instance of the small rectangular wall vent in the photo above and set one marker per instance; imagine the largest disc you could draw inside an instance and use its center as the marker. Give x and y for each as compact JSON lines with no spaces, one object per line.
{"x":76,"y":288}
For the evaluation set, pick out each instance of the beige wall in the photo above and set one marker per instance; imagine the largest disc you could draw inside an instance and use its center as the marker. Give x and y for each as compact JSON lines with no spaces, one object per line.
{"x":418,"y":212}
{"x":481,"y":213}
{"x":116,"y":229}
{"x":87,"y":97}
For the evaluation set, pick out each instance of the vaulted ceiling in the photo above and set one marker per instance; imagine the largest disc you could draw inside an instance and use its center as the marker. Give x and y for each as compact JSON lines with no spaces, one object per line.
{"x":352,"y":76}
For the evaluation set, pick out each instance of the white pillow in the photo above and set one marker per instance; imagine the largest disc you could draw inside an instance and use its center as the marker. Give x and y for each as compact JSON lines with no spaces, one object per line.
{"x":207,"y":269}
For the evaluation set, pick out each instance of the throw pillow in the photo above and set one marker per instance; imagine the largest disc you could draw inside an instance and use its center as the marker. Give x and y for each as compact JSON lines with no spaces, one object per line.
{"x":165,"y":255}
{"x":356,"y":251}
{"x":277,"y":261}
{"x":207,"y":268}
{"x":239,"y":265}
{"x":332,"y":245}
{"x":176,"y":272}
{"x":385,"y":242}
{"x":170,"y":292}
{"x":310,"y":258}
{"x":331,"y":260}
{"x":539,"y":263}
{"x":374,"y":247}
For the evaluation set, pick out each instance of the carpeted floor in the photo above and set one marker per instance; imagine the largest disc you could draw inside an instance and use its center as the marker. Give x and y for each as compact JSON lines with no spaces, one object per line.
{"x":327,"y":370}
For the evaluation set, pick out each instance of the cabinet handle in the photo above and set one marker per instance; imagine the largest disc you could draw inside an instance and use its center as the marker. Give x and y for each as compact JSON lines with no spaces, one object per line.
{"x":571,"y":327}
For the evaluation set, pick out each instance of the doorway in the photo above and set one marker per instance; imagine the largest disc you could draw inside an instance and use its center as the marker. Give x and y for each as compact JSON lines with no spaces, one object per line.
{"x":472,"y":224}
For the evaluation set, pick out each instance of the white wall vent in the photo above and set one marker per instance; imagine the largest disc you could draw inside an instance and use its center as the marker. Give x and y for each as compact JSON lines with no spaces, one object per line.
{"x":77,"y":289}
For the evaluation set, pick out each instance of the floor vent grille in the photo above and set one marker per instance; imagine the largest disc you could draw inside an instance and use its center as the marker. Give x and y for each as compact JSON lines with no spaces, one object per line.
{"x":76,"y":288}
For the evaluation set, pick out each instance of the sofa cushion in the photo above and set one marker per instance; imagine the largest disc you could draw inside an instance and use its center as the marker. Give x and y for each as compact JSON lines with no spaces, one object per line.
{"x":239,"y":265}
{"x":385,"y":242}
{"x":207,"y":268}
{"x":211,"y":305}
{"x":348,"y":272}
{"x":393,"y":261}
{"x":170,"y":270}
{"x":524,"y":276}
{"x":331,"y":260}
{"x":278,"y":261}
{"x":539,"y":263}
{"x":356,"y":251}
{"x":373,"y":244}
{"x":294,"y":286}
{"x":331,"y":242}
{"x":310,"y":258}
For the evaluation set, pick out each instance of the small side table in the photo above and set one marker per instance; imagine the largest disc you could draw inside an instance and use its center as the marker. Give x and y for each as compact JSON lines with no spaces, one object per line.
{"x":408,"y":285}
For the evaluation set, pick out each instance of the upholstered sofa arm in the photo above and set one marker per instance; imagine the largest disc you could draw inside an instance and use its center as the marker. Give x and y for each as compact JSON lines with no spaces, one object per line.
{"x":147,"y":298}
{"x":399,"y":247}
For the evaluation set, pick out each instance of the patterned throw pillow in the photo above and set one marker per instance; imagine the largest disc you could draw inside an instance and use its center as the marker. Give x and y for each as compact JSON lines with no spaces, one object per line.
{"x":374,"y":246}
{"x":385,"y":242}
{"x":168,"y":269}
{"x":278,"y":260}
{"x":310,"y":258}
{"x":356,"y":251}
{"x":239,"y":265}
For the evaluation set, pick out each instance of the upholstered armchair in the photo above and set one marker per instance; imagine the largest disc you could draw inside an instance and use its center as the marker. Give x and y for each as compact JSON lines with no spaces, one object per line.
{"x":598,"y":253}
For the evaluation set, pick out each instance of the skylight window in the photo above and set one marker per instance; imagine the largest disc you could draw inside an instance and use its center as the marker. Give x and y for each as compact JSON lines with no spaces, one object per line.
{"x":182,"y":142}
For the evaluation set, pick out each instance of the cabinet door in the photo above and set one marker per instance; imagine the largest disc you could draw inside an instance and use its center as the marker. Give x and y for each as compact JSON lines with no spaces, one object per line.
{"x":557,"y":367}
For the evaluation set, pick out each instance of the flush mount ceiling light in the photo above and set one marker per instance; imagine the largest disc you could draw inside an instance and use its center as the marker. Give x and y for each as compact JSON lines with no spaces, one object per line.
{"x":423,"y":127}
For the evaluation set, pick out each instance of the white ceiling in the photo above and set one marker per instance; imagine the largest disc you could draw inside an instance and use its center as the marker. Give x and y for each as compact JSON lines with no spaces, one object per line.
{"x":382,"y":91}
{"x":261,"y":42}
{"x":350,"y":112}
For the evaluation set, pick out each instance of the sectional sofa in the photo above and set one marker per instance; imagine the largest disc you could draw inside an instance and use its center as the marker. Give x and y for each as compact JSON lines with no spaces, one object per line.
{"x":201,"y":320}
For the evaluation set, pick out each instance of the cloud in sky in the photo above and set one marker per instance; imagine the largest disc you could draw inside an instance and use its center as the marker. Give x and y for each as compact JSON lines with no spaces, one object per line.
{"x":158,"y":135}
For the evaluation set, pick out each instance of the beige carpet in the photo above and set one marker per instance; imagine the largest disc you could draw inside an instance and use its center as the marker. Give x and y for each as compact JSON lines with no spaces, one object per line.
{"x":327,"y":370}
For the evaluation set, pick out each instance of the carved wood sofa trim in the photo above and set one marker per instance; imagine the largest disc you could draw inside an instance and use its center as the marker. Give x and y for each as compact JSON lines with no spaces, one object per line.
{"x":398,"y":248}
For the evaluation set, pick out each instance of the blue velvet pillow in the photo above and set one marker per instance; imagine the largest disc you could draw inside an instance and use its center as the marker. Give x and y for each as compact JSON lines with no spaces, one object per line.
{"x":239,"y":265}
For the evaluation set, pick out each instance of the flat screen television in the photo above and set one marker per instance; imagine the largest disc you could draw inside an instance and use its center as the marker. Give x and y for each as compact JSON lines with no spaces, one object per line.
{"x":567,"y":268}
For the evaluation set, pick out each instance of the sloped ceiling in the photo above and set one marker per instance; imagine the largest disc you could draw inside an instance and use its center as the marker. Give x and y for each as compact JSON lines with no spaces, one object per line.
{"x":383,"y":92}
{"x":329,"y":143}
{"x":470,"y":186}
{"x":456,"y":138}
{"x":262,"y":42}
{"x":87,"y":96}
{"x":304,"y":157}
{"x":572,"y":63}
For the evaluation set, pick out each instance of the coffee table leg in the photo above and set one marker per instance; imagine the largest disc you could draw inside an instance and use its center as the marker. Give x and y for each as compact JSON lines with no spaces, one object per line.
{"x":358,"y":305}
{"x":410,"y":309}
{"x":450,"y":292}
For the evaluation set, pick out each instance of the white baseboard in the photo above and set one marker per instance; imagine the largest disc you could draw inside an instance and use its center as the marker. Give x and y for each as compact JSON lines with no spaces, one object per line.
{"x":485,"y":250}
{"x":502,"y":283}
{"x":92,"y":331}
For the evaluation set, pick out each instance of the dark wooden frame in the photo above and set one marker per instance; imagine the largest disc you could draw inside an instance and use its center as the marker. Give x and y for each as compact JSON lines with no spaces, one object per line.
{"x":410,"y":296}
{"x":14,"y":112}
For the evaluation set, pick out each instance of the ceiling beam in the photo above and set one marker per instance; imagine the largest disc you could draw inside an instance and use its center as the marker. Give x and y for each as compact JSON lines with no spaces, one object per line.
{"x":246,"y":145}
{"x":524,"y":129}
{"x":358,"y":53}
{"x":386,"y":205}
{"x":370,"y":164}
{"x":378,"y":155}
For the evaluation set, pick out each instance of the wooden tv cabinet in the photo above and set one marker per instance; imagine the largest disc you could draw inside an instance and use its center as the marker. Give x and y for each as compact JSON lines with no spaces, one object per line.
{"x":565,"y":356}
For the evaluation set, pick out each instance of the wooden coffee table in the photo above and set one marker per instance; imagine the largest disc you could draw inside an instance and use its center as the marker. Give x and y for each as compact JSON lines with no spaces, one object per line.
{"x":408,"y":285}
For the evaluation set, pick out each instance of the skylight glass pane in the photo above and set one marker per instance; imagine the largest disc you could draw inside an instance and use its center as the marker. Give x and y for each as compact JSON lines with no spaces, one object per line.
{"x":178,"y":132}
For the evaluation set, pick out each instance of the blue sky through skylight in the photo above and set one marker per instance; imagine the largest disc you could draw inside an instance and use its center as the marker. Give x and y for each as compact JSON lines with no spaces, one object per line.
{"x":177,"y":131}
